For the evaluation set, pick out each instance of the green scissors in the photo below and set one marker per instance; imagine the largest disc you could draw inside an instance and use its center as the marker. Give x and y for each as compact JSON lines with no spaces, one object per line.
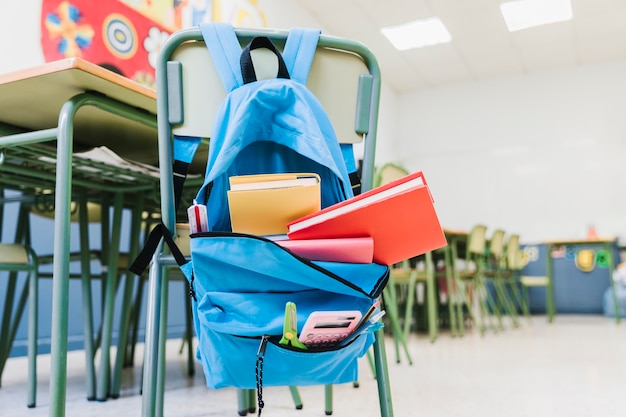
{"x":290,"y":328}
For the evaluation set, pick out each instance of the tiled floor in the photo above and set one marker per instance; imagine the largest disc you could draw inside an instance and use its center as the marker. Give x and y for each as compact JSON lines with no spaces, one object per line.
{"x":573,"y":368}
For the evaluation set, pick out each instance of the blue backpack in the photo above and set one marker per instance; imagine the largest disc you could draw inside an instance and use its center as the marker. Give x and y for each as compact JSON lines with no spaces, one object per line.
{"x":240,"y":283}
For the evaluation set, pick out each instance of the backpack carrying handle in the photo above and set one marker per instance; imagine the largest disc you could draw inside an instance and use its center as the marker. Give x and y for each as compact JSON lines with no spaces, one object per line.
{"x":247,"y":66}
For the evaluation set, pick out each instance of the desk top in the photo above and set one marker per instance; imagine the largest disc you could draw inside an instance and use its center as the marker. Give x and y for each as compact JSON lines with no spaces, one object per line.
{"x":31,"y":99}
{"x":455,"y":232}
{"x":598,"y":240}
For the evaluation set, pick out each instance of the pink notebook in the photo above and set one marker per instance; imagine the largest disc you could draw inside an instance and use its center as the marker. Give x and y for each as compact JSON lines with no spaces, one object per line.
{"x":358,"y":250}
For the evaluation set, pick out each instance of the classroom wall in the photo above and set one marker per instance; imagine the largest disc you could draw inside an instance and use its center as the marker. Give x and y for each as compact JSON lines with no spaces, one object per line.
{"x":20,"y":35}
{"x":540,"y":154}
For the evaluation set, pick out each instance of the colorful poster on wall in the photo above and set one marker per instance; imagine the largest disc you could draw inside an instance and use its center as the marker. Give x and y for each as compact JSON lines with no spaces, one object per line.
{"x":125,"y":36}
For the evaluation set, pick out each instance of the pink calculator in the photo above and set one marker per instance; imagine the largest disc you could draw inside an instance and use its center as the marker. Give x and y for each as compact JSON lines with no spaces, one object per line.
{"x":324,"y":329}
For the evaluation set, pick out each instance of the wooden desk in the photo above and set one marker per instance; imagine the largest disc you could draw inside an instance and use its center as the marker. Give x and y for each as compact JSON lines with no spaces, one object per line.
{"x":605,"y":242}
{"x":57,"y":102}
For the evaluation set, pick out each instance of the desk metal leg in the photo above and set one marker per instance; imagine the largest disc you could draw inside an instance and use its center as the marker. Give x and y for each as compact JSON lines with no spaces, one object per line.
{"x":60,"y":271}
{"x":550,"y":310}
{"x":611,"y":266}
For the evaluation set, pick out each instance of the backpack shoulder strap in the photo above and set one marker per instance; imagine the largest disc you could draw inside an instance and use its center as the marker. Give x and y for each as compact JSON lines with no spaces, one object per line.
{"x":299,"y":51}
{"x":225,"y":50}
{"x":298,"y":54}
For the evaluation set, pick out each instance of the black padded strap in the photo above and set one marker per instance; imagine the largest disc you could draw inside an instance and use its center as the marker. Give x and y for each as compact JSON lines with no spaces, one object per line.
{"x":139,"y":265}
{"x":142,"y":261}
{"x":355,"y":182}
{"x":179,"y":170}
{"x":247,"y":66}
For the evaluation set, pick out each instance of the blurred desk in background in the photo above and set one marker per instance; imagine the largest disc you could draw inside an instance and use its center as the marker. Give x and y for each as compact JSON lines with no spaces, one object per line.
{"x":581,"y":271}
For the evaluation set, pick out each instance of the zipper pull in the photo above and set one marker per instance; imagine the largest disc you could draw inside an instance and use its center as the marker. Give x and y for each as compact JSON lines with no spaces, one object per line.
{"x":261,"y":352}
{"x":259,"y":373}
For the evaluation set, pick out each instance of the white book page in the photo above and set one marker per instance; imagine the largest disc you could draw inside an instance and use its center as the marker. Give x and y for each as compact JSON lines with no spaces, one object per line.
{"x":414,"y":183}
{"x":263,"y":185}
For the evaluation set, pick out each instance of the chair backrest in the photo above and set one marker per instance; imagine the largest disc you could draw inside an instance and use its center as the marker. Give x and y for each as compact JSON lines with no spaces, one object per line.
{"x":387,"y":173}
{"x":514,"y":255}
{"x":333,"y":79}
{"x":496,"y":247}
{"x":344,"y":76}
{"x":496,"y":243}
{"x":476,"y":241}
{"x":338,"y":78}
{"x":94,"y":212}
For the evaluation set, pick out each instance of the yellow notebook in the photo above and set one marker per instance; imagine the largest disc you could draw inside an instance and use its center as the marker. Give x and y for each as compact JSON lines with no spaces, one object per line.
{"x":264,"y":204}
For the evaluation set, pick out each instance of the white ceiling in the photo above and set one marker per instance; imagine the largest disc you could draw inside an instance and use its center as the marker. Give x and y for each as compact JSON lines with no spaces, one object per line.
{"x":481,"y":46}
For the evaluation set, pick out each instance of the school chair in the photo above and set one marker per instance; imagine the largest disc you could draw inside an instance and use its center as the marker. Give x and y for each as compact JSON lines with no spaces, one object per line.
{"x":496,"y":274}
{"x":83,"y":214}
{"x":518,"y":260}
{"x":469,"y":276}
{"x":16,"y":258}
{"x":110,"y":273}
{"x":37,"y":204}
{"x":189,"y":94}
{"x":402,"y":275}
{"x":515,"y":260}
{"x":405,"y":277}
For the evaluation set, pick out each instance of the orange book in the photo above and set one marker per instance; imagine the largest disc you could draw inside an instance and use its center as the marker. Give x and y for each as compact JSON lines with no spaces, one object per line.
{"x":358,"y":250}
{"x":399,"y":216}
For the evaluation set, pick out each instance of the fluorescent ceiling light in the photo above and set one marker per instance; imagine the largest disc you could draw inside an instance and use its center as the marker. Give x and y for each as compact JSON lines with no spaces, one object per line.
{"x":417,"y":34}
{"x":524,"y":14}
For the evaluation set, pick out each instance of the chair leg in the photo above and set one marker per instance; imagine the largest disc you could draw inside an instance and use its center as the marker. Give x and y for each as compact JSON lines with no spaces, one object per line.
{"x":30,"y":294}
{"x":382,"y":375}
{"x":410,"y":301}
{"x":452,"y":301}
{"x":124,"y":324}
{"x":328,"y":396}
{"x":431,"y":298}
{"x":505,"y":301}
{"x":390,"y":302}
{"x":242,"y":402}
{"x":33,"y":311}
{"x":151,"y":363}
{"x":392,"y":310}
{"x":550,"y":304}
{"x":85,"y":269}
{"x":103,"y":388}
{"x":5,"y":326}
{"x":130,"y":350}
{"x":125,"y":317}
{"x":525,"y":301}
{"x":161,"y":352}
{"x":295,"y":395}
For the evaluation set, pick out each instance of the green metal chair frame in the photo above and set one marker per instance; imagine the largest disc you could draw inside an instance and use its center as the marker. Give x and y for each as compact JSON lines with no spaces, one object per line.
{"x":517,"y":261}
{"x":496,"y":272}
{"x":470,"y":280}
{"x":15,"y":258}
{"x":171,"y":97}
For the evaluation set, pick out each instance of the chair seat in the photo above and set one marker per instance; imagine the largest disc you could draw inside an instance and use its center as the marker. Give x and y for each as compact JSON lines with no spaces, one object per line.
{"x":403,"y":275}
{"x":538,"y":281}
{"x":13,"y":254}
